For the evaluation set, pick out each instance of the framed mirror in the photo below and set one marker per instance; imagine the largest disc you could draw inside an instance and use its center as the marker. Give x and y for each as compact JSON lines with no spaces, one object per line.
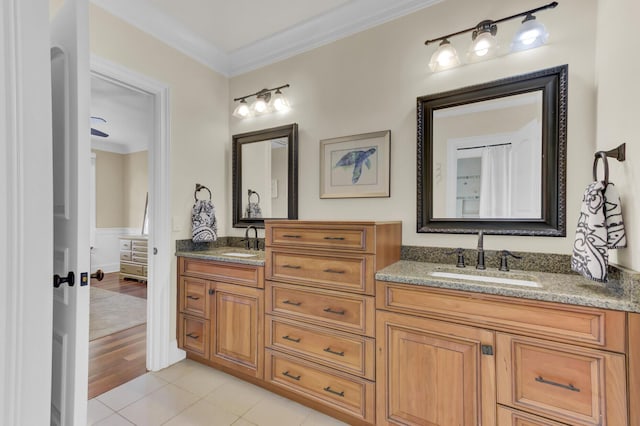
{"x":492,"y":157}
{"x":265,"y":176}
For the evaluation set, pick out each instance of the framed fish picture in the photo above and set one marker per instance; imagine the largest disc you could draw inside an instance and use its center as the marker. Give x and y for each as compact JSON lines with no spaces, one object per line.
{"x":355,"y":166}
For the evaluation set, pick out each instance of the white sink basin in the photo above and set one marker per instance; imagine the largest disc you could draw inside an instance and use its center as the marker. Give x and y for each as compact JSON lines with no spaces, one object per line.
{"x":486,"y":279}
{"x":239,"y":254}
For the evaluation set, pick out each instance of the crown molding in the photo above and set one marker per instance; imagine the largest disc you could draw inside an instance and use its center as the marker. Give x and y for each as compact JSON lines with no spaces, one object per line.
{"x":353,"y":17}
{"x":168,"y":30}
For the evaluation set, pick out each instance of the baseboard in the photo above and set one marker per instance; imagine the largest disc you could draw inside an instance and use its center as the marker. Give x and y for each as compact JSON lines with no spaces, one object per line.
{"x":106,"y":268}
{"x":175,"y":354}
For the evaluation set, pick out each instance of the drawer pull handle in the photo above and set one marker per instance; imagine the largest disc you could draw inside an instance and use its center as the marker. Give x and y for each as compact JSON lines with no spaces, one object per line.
{"x":331,"y":311}
{"x":334,"y":352}
{"x":291,"y":236}
{"x":560,"y":385}
{"x":193,"y":336}
{"x":291,"y":339}
{"x":333,"y":271}
{"x":334,"y":238}
{"x":292,"y":266}
{"x":291,"y":376}
{"x":289,"y":302}
{"x":328,"y":389}
{"x":193,"y":297}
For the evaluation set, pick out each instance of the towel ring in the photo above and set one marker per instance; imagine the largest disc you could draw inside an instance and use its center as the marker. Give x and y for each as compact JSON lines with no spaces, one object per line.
{"x":198,"y":188}
{"x":601,"y":155}
{"x":252,"y":192}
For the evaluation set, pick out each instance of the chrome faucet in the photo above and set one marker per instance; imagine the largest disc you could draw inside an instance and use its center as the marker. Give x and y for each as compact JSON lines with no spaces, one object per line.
{"x":480,"y":264}
{"x":247,"y":240}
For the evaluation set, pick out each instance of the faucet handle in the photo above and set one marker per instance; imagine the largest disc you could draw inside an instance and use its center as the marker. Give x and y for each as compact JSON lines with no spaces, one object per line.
{"x":504,"y":255}
{"x":460,"y":253}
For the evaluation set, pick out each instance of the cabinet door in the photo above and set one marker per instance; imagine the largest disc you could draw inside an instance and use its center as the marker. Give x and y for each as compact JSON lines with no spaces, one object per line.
{"x":238,"y":340}
{"x":433,"y":372}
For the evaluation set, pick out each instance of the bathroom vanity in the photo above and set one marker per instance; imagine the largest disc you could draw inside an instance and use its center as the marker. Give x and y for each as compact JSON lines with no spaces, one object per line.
{"x":330,"y":317}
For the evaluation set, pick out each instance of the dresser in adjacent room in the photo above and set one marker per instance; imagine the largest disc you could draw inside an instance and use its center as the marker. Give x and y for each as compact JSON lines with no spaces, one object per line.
{"x":133,"y":257}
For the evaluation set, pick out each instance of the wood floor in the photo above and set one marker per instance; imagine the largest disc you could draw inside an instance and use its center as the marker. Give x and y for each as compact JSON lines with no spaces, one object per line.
{"x":119,"y":357}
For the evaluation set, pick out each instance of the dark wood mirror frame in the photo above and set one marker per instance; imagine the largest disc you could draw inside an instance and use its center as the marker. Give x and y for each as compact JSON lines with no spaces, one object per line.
{"x":553,"y":83}
{"x":289,"y":131}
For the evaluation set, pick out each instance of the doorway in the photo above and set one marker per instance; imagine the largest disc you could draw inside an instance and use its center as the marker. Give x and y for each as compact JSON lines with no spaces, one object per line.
{"x":121,"y":134}
{"x":159,"y":349}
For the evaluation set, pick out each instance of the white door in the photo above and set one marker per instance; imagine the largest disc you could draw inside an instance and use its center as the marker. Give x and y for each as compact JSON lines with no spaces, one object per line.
{"x":71,"y":179}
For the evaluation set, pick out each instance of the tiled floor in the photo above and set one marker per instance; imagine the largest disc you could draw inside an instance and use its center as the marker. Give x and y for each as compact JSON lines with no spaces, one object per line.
{"x":191,"y":394}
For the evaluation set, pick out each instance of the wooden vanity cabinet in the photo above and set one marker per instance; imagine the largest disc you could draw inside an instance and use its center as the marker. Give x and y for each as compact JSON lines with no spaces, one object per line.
{"x":514,"y":361}
{"x":320,"y":306}
{"x":221,"y":319}
{"x":434,"y":373}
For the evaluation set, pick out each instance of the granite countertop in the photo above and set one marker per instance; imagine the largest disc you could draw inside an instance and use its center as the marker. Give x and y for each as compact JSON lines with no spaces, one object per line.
{"x":253,"y":257}
{"x":571,"y":289}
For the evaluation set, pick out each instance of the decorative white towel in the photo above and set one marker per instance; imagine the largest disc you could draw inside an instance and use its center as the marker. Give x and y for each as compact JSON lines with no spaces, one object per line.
{"x":203,"y":222}
{"x":600,"y":228}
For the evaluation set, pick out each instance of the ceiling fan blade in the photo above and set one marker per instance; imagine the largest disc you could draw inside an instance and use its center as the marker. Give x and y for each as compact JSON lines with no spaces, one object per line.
{"x":96,"y":132}
{"x":98,"y":119}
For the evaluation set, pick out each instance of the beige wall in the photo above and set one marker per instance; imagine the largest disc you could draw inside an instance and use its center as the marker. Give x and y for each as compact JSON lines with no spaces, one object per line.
{"x":110,"y":183}
{"x":370,"y":81}
{"x":136,"y":180}
{"x":121,"y":188}
{"x":618,"y":69}
{"x":199,"y":114}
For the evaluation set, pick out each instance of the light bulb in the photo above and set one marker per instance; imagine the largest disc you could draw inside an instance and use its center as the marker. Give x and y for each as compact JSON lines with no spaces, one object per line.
{"x":484,"y":44}
{"x":279,"y":102}
{"x":444,"y":57}
{"x":530,"y":35}
{"x":242,"y":110}
{"x":259,"y":106}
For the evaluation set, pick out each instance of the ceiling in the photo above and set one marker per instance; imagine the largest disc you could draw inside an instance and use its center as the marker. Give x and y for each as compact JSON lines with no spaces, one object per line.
{"x":236,"y":36}
{"x":231,"y":37}
{"x":128,"y":114}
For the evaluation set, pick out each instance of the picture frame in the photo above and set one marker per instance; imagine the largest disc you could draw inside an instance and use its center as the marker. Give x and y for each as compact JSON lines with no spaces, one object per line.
{"x":356,"y":166}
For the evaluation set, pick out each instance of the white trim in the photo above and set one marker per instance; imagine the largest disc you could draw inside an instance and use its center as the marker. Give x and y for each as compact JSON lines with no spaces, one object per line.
{"x":159,"y":290}
{"x":353,"y":17}
{"x":168,"y":30}
{"x":176,"y":354}
{"x":25,"y":249}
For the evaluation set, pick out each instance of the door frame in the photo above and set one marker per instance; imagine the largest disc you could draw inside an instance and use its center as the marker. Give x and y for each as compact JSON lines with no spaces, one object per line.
{"x":26,"y":197}
{"x":160,"y":353}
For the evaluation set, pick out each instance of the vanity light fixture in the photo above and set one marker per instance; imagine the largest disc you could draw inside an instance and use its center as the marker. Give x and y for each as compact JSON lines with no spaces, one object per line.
{"x":484,"y":44}
{"x":263,"y":103}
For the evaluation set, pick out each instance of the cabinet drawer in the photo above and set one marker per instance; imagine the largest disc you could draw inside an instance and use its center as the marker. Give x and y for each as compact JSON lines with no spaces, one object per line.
{"x":348,"y":352}
{"x":194,"y":297}
{"x":348,"y":273}
{"x":125,"y":255}
{"x":509,"y":417}
{"x":234,"y":273}
{"x":139,"y":245}
{"x":135,"y":257}
{"x":322,"y":236}
{"x":564,"y":323}
{"x":349,"y":394}
{"x":349,"y":312}
{"x":574,"y":385}
{"x":194,"y":335}
{"x":125,"y":244}
{"x":133,"y":269}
